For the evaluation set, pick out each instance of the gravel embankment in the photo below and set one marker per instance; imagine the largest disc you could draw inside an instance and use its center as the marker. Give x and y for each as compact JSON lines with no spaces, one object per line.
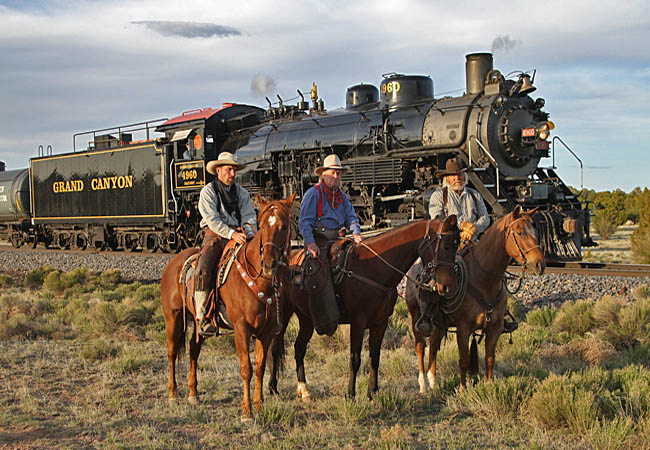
{"x":134,"y":266}
{"x":535,"y":291}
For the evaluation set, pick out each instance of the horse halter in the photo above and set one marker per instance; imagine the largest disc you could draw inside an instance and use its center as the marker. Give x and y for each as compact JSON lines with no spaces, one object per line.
{"x":522,"y":253}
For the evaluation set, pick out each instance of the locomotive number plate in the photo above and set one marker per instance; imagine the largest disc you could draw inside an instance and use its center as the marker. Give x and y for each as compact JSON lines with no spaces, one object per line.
{"x":189,"y":174}
{"x":528,"y":132}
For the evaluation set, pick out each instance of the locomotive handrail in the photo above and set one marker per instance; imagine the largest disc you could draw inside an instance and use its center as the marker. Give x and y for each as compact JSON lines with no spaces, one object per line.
{"x":491,"y":159}
{"x":570,"y":151}
{"x":119,"y":129}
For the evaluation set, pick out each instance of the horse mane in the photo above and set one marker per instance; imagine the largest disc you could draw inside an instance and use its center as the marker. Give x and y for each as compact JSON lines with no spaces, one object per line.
{"x":394,"y":231}
{"x":277,"y":204}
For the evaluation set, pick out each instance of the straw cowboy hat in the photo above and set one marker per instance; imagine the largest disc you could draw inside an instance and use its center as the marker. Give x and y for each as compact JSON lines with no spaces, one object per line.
{"x":331,"y":162}
{"x":452,"y":167}
{"x":225,"y":159}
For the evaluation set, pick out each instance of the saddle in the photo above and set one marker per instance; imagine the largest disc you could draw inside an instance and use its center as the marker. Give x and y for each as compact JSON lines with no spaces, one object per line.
{"x":223,"y":269}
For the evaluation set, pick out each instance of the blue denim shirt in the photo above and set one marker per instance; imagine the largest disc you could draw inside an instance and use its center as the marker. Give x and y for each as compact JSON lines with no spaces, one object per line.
{"x":343,"y":216}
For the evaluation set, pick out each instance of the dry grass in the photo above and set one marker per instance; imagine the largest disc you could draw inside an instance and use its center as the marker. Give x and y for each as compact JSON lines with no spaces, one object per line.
{"x":102,"y":382}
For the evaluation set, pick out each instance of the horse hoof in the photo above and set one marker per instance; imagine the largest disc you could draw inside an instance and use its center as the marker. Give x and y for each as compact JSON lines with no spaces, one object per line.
{"x":193,"y":400}
{"x":305,"y":398}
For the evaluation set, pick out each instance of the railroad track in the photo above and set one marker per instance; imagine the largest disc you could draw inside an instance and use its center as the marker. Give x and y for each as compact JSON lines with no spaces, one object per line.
{"x":594,"y":268}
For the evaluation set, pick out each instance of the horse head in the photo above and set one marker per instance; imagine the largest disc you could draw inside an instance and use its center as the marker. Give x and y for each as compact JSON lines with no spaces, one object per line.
{"x":522,"y":243}
{"x":274,"y":221}
{"x":438,"y":253}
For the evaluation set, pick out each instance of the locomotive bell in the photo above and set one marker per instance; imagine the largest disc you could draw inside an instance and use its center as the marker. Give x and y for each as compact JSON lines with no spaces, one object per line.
{"x":526,"y":85}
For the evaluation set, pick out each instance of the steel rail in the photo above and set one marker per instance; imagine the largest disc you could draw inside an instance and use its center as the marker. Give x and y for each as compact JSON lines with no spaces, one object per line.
{"x":595,"y":269}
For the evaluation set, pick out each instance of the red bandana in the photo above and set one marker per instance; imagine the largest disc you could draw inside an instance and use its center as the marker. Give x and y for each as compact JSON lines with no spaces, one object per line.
{"x":334,"y":197}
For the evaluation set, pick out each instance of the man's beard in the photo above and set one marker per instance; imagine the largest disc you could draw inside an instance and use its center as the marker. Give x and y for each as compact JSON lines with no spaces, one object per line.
{"x":332,"y":183}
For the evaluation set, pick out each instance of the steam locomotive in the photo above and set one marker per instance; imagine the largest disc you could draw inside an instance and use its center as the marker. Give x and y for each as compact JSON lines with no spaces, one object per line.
{"x":130,"y":195}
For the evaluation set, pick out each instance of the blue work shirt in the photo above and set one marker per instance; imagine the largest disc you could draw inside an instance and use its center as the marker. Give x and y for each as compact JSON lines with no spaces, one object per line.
{"x":337,"y":218}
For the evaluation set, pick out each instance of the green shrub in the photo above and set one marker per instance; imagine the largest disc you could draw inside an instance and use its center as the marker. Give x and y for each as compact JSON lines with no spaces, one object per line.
{"x":640,"y":244}
{"x":35,"y":278}
{"x":392,"y":402}
{"x":110,"y":278}
{"x":560,"y":402}
{"x":612,"y":206}
{"x":276,"y":412}
{"x":6,"y":281}
{"x":99,"y":350}
{"x":642,"y":292}
{"x":517,"y":308}
{"x":132,"y":360}
{"x":575,"y":318}
{"x":604,"y":226}
{"x":541,"y":317}
{"x":147,"y":292}
{"x":611,"y":434}
{"x":497,"y":398}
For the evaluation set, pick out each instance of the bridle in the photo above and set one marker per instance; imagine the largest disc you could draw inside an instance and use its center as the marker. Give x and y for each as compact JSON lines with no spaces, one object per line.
{"x":522,"y":253}
{"x":282,"y":251}
{"x":428,"y":242}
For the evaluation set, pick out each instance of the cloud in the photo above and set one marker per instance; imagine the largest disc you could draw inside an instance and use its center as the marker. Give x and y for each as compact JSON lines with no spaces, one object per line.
{"x":503,"y":44}
{"x":189,"y":29}
{"x":262,"y":85}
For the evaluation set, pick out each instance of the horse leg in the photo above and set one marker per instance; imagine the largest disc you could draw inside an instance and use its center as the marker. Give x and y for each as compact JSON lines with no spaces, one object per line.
{"x":300,"y":348}
{"x":462,"y":337}
{"x":242,"y":337}
{"x":261,"y":347}
{"x":195,"y":349}
{"x":436,"y":339}
{"x":356,"y":339}
{"x":420,"y":345}
{"x":491,"y":338}
{"x":175,"y":347}
{"x":374,"y":342}
{"x":277,"y":354}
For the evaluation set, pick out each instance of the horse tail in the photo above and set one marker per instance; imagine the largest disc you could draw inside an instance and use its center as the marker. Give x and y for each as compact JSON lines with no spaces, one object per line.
{"x":278,"y":353}
{"x":473,"y":357}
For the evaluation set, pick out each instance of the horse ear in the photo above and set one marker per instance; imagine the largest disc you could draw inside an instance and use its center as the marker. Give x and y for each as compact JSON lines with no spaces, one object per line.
{"x":516,"y":213}
{"x":289,"y":201}
{"x":451,"y":221}
{"x":260,"y":200}
{"x":533,"y":211}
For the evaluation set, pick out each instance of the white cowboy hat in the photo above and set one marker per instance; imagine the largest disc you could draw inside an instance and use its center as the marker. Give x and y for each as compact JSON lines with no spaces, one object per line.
{"x":224,"y":159}
{"x":331,"y":162}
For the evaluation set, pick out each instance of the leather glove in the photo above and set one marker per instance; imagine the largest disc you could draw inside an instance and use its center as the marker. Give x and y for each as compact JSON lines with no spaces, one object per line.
{"x":467,"y":231}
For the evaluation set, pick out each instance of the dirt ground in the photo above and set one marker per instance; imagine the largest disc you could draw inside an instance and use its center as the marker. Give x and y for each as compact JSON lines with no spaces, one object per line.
{"x":616,"y":249}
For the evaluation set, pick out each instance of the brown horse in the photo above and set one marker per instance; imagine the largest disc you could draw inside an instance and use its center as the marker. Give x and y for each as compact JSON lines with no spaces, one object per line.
{"x":368,"y":290}
{"x":480,"y":301}
{"x":260,"y":265}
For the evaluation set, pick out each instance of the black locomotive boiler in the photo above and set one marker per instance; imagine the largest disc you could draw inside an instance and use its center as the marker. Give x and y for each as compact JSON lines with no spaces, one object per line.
{"x":121,"y":194}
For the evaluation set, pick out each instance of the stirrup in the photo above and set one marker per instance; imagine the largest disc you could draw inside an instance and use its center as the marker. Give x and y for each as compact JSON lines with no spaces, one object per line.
{"x":509,"y":325}
{"x":423,"y":326}
{"x":207,"y":329}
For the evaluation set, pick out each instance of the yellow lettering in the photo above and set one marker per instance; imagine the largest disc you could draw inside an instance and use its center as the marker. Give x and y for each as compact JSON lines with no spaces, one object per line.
{"x":120,"y":182}
{"x":129,"y":181}
{"x":55,"y":187}
{"x":93,"y":184}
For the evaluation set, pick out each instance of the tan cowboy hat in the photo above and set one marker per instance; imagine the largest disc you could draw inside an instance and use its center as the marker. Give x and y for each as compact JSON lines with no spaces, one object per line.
{"x":452,"y":167}
{"x":225,"y":159}
{"x":331,"y":162}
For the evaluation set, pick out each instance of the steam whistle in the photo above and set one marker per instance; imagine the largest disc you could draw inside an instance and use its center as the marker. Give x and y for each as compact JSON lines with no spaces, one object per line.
{"x":314,"y":96}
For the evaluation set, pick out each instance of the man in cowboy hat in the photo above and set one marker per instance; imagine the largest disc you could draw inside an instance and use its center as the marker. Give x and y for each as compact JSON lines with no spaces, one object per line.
{"x":227,"y":213}
{"x":467,"y":204}
{"x":324,"y":211}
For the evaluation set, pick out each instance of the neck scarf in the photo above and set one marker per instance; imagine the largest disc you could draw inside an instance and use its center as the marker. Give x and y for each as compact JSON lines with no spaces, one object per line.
{"x":334,"y":197}
{"x":229,"y":198}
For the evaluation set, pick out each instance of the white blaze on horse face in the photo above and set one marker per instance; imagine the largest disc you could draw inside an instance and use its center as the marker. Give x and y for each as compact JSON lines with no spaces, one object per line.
{"x":272,"y":219}
{"x":531,"y":230}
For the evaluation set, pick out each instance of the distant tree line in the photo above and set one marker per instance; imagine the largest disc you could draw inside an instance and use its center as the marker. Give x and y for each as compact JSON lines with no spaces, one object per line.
{"x":613,"y":208}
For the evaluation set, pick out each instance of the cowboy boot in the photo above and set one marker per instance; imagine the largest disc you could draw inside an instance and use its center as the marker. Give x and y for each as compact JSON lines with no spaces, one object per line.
{"x":423,"y":324}
{"x":206,"y":328}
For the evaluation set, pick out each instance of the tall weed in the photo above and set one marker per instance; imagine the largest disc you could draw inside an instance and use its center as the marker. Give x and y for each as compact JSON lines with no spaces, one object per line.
{"x":542,"y":317}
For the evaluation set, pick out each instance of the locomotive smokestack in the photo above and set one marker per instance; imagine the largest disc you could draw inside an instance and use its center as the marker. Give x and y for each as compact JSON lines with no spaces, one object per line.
{"x":477,"y":66}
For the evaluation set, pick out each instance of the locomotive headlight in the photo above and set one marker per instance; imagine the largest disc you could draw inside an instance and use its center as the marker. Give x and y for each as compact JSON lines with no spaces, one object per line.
{"x":544,"y":129}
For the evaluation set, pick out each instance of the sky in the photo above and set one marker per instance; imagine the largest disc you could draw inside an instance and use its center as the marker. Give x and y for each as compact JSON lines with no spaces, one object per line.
{"x":69,"y":66}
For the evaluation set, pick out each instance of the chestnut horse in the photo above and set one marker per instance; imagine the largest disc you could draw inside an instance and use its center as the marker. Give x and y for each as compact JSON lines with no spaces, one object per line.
{"x":371,"y":274}
{"x":480,"y":302}
{"x":262,"y":263}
